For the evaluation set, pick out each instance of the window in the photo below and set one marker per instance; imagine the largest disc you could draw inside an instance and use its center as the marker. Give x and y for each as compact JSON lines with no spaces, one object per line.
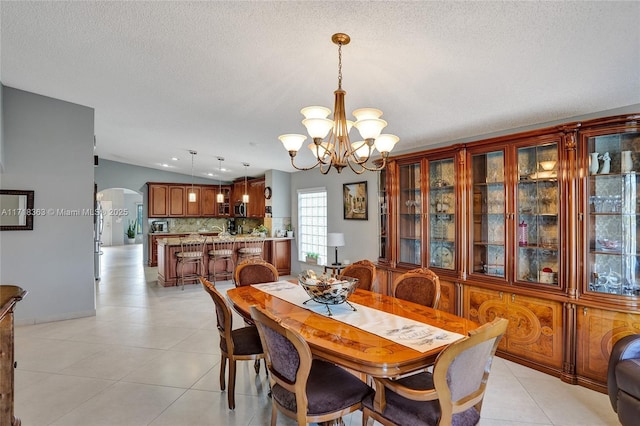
{"x":312,"y":223}
{"x":139,"y":219}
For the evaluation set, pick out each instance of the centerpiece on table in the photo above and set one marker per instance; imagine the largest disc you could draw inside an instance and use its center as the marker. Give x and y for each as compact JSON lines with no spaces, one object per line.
{"x":327,"y":290}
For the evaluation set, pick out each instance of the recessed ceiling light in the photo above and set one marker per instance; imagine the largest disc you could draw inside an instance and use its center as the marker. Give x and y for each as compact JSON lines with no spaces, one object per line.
{"x":164,"y":165}
{"x":209,"y":174}
{"x":174,"y":158}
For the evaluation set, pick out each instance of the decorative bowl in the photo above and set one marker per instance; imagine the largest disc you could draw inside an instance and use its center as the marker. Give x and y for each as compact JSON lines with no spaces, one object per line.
{"x":547,"y":165}
{"x":327,"y":290}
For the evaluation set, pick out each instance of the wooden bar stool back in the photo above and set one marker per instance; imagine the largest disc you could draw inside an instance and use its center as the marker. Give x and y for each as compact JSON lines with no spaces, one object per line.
{"x":190,"y":258}
{"x":250,"y":248}
{"x":221,"y":264}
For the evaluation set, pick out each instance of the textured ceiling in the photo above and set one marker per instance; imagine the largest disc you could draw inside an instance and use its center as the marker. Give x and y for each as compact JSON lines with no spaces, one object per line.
{"x":226,"y":78}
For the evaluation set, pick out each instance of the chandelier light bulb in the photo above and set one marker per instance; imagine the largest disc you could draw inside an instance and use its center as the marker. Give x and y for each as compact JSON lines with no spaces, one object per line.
{"x":318,"y":127}
{"x":367,"y":113}
{"x":292,"y":142}
{"x":361,"y":149}
{"x":315,"y":112}
{"x":370,"y":128}
{"x":385,"y":143}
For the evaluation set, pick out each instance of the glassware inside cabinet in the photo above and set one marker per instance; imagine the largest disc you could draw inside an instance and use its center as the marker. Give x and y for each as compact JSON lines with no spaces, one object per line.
{"x":537,"y":233}
{"x":442,"y":208}
{"x":383,"y":204}
{"x":410,"y":217}
{"x":613,"y":227}
{"x":488,"y":228}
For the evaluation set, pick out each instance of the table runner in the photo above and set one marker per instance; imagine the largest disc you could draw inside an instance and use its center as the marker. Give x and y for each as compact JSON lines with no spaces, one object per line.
{"x":404,"y":331}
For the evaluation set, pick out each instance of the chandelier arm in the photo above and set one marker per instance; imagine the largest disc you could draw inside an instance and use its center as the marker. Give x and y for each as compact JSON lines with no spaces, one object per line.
{"x":304,"y":169}
{"x":365,"y":168}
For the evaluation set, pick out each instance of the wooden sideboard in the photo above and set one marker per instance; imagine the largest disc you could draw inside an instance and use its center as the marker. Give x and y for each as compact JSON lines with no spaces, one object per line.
{"x":9,"y":296}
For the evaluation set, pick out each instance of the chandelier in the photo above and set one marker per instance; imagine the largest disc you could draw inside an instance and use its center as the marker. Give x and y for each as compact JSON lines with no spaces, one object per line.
{"x":337,"y":150}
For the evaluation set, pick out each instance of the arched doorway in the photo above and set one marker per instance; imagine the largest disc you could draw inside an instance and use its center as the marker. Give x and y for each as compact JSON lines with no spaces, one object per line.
{"x":121,"y":207}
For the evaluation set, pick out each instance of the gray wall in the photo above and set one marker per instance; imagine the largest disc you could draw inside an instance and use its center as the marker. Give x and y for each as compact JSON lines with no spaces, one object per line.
{"x":49,"y":149}
{"x":361,"y":236}
{"x":112,"y":174}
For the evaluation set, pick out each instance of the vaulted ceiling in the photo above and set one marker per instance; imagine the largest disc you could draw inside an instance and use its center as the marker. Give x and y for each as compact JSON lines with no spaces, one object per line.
{"x":226,"y":78}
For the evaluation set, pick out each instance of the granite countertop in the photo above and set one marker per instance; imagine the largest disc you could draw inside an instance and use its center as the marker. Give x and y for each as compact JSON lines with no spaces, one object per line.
{"x":176,"y":241}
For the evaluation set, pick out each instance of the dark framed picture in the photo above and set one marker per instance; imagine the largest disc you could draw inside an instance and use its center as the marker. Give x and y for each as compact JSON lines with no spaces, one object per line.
{"x":355,"y":201}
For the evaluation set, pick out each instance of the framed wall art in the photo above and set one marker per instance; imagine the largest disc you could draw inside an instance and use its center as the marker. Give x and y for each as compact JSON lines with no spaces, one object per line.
{"x":355,"y":201}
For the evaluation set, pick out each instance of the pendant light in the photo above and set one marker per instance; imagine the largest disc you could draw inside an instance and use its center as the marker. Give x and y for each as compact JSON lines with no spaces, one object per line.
{"x":220,"y":196}
{"x":192,"y":194}
{"x":245,"y":197}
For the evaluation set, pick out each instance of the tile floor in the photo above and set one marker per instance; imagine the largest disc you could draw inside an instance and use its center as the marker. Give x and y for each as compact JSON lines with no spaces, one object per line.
{"x":150,"y":357}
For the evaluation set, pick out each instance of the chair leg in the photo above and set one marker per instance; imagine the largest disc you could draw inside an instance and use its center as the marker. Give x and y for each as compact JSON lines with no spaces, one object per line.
{"x":223,"y":364}
{"x":256,"y":365}
{"x":274,"y":413}
{"x":366,"y":420}
{"x":232,"y":384}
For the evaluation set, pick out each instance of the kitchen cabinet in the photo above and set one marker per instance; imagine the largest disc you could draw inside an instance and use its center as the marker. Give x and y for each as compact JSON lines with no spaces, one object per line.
{"x":192,"y":208}
{"x":171,"y":200}
{"x":177,"y":201}
{"x":255,"y":189}
{"x":207,"y":199}
{"x":158,"y":204}
{"x":255,"y":207}
{"x":278,"y":253}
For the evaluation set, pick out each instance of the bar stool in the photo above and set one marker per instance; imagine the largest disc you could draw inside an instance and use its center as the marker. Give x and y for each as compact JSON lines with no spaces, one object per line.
{"x":221,"y":253}
{"x":191,"y":256}
{"x":251,"y":248}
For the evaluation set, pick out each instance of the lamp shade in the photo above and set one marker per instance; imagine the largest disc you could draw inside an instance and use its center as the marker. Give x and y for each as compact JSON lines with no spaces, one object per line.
{"x":335,"y":239}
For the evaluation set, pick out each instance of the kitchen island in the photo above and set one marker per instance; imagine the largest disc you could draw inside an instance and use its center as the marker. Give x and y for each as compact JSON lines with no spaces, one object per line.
{"x":277,"y":251}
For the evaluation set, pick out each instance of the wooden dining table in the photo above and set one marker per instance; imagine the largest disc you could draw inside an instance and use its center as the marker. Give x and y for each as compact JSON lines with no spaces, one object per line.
{"x":349,"y":346}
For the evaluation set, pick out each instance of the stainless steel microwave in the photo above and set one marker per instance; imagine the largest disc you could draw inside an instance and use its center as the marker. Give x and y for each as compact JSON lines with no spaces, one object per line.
{"x":240,"y":210}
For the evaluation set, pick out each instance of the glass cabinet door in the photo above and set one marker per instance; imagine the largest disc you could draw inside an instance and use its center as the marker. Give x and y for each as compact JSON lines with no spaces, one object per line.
{"x":383,"y":205}
{"x":410,"y":214}
{"x":613,"y":230}
{"x":537,"y":232}
{"x":488,"y":214}
{"x":442,"y":208}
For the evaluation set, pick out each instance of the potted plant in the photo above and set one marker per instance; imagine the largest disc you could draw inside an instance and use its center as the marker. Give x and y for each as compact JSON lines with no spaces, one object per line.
{"x":289,"y":231}
{"x":131,"y":231}
{"x":262,"y":230}
{"x":312,"y":258}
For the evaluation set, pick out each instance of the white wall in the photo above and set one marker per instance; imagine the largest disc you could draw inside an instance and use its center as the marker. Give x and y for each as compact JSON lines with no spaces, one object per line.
{"x":49,"y":149}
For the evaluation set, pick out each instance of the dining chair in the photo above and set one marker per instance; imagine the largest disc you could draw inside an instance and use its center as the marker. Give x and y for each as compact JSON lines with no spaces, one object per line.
{"x":304,"y":388}
{"x":221,"y":265}
{"x":364,"y":271}
{"x":190,"y":256}
{"x":451,"y":395}
{"x":242,"y":344}
{"x":254,"y":271}
{"x":419,"y":285}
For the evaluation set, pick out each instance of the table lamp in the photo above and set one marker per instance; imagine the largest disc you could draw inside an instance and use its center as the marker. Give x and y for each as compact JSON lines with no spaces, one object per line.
{"x":335,"y":239}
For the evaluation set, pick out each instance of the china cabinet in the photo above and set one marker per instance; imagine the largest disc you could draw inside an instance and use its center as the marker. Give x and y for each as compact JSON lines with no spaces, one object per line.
{"x":541,"y":227}
{"x":612,"y":214}
{"x":427,"y":206}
